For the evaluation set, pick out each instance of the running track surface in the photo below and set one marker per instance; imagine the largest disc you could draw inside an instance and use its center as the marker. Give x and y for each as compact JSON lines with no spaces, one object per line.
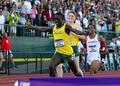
{"x":8,"y":80}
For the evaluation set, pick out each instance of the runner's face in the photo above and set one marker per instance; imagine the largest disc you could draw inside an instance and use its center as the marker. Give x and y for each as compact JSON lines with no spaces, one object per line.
{"x":58,"y":20}
{"x":71,"y":17}
{"x":91,"y":29}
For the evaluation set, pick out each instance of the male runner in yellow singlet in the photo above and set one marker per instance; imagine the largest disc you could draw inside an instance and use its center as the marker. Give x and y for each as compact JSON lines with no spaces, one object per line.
{"x":63,"y":49}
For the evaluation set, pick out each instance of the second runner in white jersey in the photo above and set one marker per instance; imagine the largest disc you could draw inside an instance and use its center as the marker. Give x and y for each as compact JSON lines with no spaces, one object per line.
{"x":93,"y":49}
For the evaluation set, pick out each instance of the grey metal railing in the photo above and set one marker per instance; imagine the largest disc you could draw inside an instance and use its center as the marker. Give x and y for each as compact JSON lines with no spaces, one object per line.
{"x":110,"y":62}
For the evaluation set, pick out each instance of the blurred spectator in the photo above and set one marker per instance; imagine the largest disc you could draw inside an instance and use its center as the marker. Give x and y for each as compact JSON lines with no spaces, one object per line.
{"x":48,"y":13}
{"x":33,"y":14}
{"x":44,"y":22}
{"x":112,"y":45}
{"x":21,"y":21}
{"x":115,"y":44}
{"x":118,"y":45}
{"x":55,"y":4}
{"x":80,"y":13}
{"x":14,"y":1}
{"x":37,"y":2}
{"x":85,"y":22}
{"x":77,"y":7}
{"x":28,"y":6}
{"x":117,"y":24}
{"x":93,"y":22}
{"x":5,"y":12}
{"x":7,"y":3}
{"x":101,"y":26}
{"x":2,"y":21}
{"x":14,"y":6}
{"x":118,"y":41}
{"x":22,"y":7}
{"x":12,"y":19}
{"x":78,"y":22}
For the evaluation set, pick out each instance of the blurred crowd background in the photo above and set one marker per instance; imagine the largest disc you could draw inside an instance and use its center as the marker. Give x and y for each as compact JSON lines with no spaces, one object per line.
{"x":103,"y":14}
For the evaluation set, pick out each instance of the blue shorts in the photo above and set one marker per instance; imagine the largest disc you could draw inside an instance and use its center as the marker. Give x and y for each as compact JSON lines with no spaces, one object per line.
{"x":9,"y":52}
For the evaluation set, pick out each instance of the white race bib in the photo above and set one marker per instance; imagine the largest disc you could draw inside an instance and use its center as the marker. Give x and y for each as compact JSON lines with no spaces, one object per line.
{"x":92,"y":48}
{"x":59,"y":43}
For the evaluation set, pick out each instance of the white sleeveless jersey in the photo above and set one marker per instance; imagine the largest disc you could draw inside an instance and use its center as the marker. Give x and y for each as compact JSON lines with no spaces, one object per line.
{"x":93,"y":49}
